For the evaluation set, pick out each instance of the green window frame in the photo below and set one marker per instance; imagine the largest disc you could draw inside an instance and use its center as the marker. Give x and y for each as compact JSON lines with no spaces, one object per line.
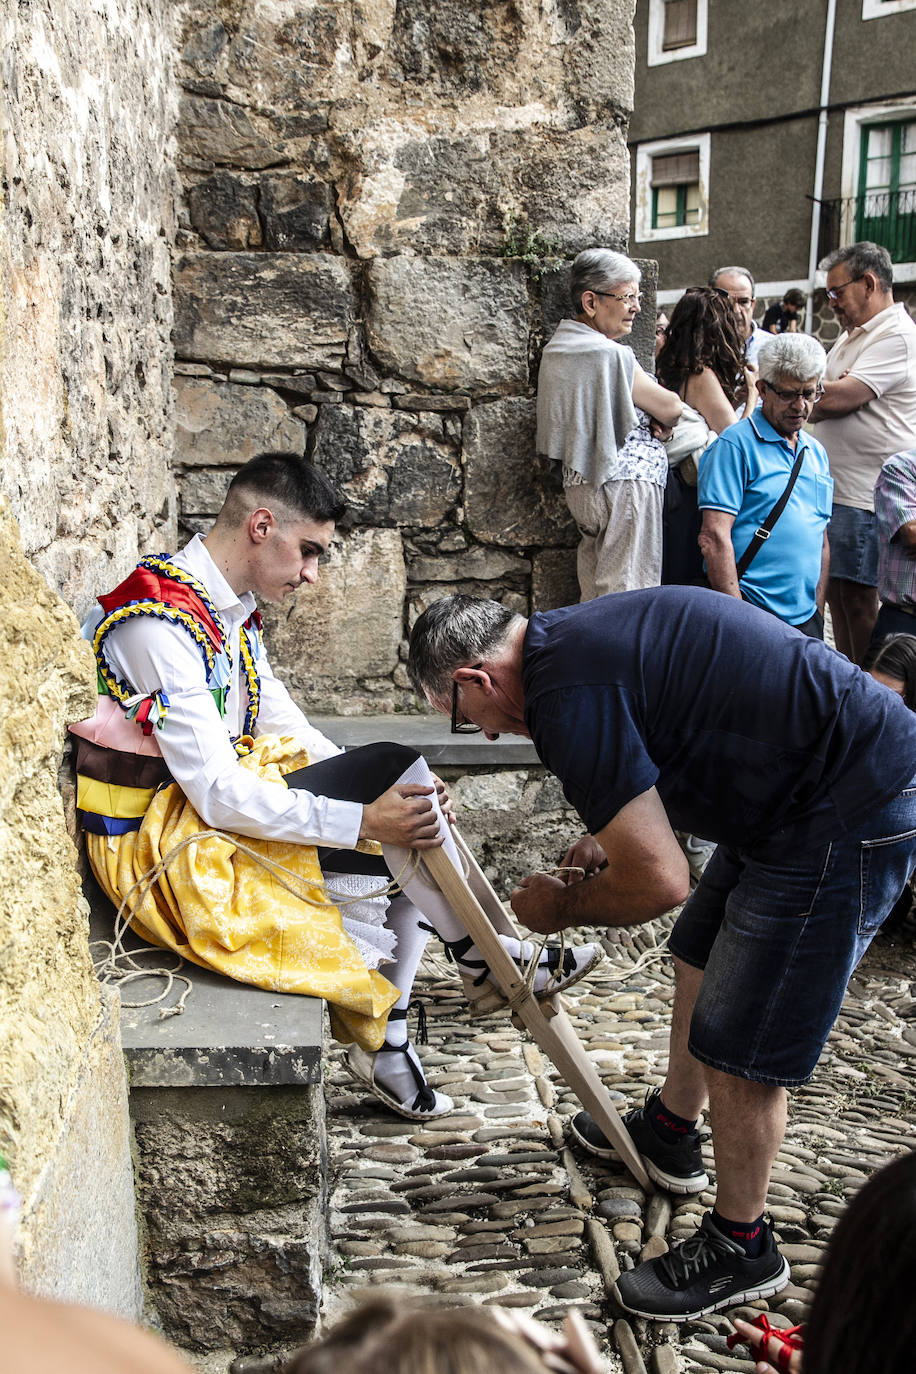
{"x":680,"y":205}
{"x":886,"y":201}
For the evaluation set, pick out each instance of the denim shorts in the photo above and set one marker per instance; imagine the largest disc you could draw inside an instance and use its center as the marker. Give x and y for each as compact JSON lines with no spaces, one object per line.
{"x":778,"y":942}
{"x":853,"y":536}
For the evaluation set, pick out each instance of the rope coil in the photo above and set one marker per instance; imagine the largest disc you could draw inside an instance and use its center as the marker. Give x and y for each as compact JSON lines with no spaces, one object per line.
{"x":119,"y":966}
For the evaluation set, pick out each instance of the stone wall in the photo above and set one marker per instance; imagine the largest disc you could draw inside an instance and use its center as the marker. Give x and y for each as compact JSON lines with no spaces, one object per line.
{"x":85,"y":481}
{"x":377,"y":198}
{"x":63,"y":1095}
{"x":85,"y":297}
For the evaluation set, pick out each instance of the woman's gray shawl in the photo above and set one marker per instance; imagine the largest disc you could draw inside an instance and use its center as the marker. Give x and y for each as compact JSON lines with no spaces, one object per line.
{"x":585,"y":404}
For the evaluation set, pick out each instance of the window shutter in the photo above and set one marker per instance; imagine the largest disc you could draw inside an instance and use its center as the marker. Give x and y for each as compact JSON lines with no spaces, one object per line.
{"x":676,"y":169}
{"x":680,"y":24}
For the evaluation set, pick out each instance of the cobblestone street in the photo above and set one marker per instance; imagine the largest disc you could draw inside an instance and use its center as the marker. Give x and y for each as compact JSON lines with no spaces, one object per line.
{"x":491,"y":1205}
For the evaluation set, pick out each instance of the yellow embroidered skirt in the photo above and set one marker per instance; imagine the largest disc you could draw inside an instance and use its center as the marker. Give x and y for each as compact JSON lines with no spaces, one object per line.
{"x":219,"y":907}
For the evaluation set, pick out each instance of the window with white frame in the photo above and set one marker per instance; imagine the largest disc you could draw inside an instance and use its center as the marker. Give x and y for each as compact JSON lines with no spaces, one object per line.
{"x":878,"y":187}
{"x":672,"y":189}
{"x":677,"y":29}
{"x":879,"y":9}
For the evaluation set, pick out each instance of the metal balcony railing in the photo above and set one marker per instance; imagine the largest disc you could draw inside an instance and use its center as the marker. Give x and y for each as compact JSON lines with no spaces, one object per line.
{"x":885,"y":217}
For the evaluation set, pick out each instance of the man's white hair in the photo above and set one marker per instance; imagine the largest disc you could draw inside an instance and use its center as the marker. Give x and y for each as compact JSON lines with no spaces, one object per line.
{"x":798,"y":356}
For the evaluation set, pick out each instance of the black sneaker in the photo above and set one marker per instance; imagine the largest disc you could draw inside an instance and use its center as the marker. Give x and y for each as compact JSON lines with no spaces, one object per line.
{"x":702,"y":1274}
{"x":676,"y":1167}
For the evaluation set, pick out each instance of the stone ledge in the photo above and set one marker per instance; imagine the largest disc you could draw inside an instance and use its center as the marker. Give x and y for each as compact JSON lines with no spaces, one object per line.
{"x":229,"y":1034}
{"x":431,"y":735}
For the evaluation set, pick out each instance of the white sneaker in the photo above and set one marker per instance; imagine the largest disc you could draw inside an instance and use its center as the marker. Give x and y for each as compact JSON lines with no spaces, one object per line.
{"x":696,"y":851}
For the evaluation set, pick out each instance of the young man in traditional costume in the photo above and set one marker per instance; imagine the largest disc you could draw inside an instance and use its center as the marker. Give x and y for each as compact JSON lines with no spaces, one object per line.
{"x":193,"y":733}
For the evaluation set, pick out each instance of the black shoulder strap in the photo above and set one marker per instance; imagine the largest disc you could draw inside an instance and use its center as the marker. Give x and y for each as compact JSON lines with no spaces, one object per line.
{"x":762,"y":534}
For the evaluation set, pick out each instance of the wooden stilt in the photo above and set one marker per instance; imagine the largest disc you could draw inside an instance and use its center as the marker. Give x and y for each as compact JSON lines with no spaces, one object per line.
{"x":483,"y":916}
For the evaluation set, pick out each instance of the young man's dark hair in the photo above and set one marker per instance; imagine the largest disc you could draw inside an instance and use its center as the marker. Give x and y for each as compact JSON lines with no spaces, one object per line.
{"x":287,"y":480}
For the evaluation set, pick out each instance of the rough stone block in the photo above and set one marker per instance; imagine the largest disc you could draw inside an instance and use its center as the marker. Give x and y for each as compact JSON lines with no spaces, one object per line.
{"x":296,"y":213}
{"x":291,"y":54}
{"x":216,"y":132}
{"x":231,"y":1184}
{"x":263,"y":309}
{"x":393,"y":467}
{"x":553,"y":579}
{"x":201,"y":491}
{"x":478,"y":562}
{"x":79,"y":1243}
{"x":461,"y":193}
{"x":513,"y":52}
{"x":510,"y":498}
{"x":349,"y":624}
{"x":455,"y":325}
{"x":221,"y":424}
{"x":224,"y":211}
{"x":49,"y":999}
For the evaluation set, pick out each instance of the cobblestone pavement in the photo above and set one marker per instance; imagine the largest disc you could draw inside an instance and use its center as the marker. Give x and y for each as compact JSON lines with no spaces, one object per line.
{"x":491,"y":1205}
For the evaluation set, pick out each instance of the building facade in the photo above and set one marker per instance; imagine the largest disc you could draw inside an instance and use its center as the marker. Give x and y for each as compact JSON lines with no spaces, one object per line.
{"x":769,"y":135}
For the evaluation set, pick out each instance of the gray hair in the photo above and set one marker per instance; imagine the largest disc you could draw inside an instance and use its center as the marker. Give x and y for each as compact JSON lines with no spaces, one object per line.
{"x":859,"y":258}
{"x":450,"y":634}
{"x":740,"y":271}
{"x":596,"y":269}
{"x":798,"y":356}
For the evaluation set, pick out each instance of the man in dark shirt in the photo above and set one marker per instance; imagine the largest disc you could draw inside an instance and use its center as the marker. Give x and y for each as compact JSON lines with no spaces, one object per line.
{"x":674,"y":707}
{"x":783,"y":317}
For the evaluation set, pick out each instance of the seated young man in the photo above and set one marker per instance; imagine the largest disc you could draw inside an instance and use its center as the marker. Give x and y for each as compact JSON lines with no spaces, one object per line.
{"x":187,"y":697}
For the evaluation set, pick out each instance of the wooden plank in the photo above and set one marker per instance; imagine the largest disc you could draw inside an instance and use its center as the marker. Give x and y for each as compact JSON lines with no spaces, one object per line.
{"x":553,"y":1033}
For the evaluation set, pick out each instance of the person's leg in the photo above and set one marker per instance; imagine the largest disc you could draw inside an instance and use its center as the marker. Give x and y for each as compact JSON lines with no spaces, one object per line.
{"x":748,"y":1123}
{"x":629,"y":540}
{"x":855,"y":608}
{"x":665,"y":1129}
{"x":585,"y":509}
{"x":362,"y":775}
{"x":554,"y":972}
{"x":682,"y":564}
{"x":772,"y":988}
{"x":684,"y":1090}
{"x":851,"y":587}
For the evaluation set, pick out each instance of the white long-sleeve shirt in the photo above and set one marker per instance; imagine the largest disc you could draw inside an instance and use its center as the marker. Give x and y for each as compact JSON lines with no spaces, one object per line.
{"x":152,"y":655}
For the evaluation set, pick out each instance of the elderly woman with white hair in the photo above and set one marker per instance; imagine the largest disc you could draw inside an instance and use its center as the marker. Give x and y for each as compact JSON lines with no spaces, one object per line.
{"x":765,"y":493}
{"x":595,"y":412}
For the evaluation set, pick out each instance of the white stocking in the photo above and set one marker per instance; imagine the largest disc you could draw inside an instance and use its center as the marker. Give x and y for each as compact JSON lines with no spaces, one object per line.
{"x":419,"y":886}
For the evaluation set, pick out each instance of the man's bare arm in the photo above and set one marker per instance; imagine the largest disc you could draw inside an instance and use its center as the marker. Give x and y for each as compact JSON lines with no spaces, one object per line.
{"x":820,"y":591}
{"x":907,"y":536}
{"x":646,"y":875}
{"x":718,"y":551}
{"x":841,"y":397}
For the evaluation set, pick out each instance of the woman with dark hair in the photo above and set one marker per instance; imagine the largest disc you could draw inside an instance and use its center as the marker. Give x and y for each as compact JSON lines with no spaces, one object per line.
{"x":893,"y":662}
{"x":863,"y":1318}
{"x":702,"y":360}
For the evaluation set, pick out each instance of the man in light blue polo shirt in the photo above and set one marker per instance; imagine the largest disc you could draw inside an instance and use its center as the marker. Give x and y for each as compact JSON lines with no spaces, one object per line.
{"x":744,"y":474}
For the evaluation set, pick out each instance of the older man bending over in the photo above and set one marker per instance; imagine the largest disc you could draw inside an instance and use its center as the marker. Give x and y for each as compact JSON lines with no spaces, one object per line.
{"x":677,"y":706}
{"x":766,"y":493}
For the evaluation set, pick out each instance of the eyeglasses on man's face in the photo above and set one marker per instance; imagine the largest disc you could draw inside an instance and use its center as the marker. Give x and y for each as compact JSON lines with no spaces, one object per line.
{"x":631,"y":298}
{"x":460,"y":724}
{"x":808,"y":394}
{"x":834,"y":292}
{"x":730,"y":296}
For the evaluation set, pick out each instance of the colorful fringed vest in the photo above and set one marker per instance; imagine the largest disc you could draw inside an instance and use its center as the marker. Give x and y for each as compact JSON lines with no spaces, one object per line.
{"x":118,"y":762}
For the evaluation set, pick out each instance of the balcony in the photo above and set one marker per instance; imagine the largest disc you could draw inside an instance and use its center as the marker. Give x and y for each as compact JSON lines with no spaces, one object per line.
{"x":885,"y":217}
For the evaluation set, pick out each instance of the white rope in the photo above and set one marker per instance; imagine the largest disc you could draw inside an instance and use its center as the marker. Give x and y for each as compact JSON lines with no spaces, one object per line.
{"x":118,"y":966}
